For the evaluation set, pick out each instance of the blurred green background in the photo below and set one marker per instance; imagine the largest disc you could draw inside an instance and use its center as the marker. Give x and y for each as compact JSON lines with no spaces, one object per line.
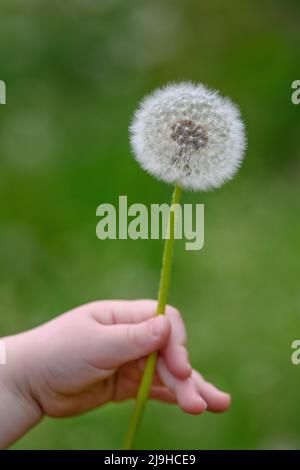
{"x":75,"y":71}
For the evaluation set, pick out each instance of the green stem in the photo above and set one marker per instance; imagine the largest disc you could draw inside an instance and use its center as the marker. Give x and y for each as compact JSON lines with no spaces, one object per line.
{"x":146,"y":381}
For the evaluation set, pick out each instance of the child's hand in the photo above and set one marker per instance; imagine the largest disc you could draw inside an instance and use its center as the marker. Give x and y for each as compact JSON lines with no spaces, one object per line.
{"x":95,"y":354}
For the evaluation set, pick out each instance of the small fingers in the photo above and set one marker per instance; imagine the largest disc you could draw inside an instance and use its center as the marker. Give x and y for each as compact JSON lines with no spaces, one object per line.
{"x":217,"y":401}
{"x":185,"y":390}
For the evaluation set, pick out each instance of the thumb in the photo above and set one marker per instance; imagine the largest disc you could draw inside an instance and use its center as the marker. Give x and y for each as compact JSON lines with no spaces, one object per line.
{"x":129,"y":342}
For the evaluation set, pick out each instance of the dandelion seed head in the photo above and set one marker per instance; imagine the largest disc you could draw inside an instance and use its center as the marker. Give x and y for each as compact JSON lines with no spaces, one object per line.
{"x":185,"y":133}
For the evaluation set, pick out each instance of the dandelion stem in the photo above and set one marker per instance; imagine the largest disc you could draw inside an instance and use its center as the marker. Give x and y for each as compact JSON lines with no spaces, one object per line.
{"x":147,"y":377}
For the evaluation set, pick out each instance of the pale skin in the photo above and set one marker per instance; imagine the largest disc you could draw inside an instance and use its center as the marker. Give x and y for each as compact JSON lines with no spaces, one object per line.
{"x":92,"y":355}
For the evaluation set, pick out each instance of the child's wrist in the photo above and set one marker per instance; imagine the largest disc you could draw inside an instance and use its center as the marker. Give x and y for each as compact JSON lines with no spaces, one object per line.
{"x":19,"y":411}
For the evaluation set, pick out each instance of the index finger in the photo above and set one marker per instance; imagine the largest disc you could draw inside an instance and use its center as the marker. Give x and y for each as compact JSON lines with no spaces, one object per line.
{"x":175,"y":353}
{"x":178,"y":333}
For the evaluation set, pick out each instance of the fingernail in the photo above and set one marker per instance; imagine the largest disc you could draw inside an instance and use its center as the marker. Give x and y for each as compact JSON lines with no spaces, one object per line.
{"x":158,"y":326}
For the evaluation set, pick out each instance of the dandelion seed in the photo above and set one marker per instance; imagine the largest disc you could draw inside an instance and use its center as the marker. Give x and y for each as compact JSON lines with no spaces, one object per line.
{"x":187,"y":134}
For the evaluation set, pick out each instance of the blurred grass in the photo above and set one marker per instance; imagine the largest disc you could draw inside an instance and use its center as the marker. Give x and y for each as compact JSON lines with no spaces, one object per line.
{"x":75,"y":72}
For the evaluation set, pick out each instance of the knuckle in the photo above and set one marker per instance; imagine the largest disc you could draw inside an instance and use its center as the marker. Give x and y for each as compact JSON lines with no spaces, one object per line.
{"x":94,"y":306}
{"x":132,"y":336}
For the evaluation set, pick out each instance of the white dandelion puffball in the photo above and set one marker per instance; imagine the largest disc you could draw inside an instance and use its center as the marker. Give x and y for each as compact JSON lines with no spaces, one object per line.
{"x":187,"y":134}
